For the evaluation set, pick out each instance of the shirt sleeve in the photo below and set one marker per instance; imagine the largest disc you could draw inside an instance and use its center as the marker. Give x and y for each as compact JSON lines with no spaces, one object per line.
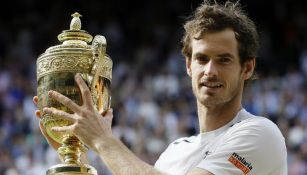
{"x":251,"y":147}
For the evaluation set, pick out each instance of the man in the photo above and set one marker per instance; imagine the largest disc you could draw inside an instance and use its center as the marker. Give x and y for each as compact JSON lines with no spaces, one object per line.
{"x":220,"y":46}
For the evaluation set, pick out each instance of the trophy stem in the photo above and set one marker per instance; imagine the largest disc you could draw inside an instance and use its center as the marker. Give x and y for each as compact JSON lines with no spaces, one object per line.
{"x":71,"y":150}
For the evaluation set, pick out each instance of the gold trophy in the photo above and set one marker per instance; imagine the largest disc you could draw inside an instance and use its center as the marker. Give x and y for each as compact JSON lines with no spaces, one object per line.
{"x":56,"y":69}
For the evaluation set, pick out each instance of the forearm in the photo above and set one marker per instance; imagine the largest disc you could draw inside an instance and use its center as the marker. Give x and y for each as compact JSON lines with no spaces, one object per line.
{"x":121,"y":161}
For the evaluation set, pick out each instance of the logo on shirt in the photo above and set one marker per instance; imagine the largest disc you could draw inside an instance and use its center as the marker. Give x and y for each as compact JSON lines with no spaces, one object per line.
{"x":240,"y":163}
{"x":207,"y":153}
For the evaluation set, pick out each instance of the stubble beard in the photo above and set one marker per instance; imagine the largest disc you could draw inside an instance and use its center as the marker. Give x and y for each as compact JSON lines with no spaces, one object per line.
{"x":210,"y":100}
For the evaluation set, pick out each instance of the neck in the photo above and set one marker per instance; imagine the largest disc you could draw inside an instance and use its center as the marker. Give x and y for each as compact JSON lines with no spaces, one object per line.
{"x":212,"y":118}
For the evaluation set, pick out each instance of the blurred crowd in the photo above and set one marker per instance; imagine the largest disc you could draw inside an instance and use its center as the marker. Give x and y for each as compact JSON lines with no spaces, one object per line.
{"x":151,"y":93}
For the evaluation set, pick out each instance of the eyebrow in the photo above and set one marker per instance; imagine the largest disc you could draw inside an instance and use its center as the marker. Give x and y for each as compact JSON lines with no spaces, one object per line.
{"x":198,"y":54}
{"x":225,"y":55}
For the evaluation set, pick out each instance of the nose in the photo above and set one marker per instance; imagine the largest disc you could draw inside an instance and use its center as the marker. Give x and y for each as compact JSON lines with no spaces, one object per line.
{"x":210,"y":69}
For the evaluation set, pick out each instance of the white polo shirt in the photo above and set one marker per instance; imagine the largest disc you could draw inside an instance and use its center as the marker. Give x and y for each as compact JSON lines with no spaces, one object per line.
{"x":248,"y":144}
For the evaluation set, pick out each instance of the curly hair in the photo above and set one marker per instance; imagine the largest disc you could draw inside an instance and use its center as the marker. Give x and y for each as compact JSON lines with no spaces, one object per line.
{"x":210,"y":17}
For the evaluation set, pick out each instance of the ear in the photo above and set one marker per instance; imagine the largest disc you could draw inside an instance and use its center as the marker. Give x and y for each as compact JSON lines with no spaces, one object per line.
{"x":249,"y":67}
{"x":188,"y":66}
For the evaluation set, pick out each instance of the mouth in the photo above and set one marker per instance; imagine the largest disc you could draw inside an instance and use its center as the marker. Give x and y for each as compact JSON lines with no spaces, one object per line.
{"x":211,"y":85}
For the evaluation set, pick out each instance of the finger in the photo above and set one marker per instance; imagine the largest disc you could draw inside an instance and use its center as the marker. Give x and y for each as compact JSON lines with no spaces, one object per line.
{"x":109,"y":114}
{"x":68,"y":128}
{"x":38,"y":114}
{"x":64,"y":100}
{"x":59,"y":113}
{"x":35,"y":100}
{"x":85,"y":91}
{"x":102,"y":112}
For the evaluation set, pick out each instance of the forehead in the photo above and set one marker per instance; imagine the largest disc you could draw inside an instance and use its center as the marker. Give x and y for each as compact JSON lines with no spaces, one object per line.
{"x":216,"y":43}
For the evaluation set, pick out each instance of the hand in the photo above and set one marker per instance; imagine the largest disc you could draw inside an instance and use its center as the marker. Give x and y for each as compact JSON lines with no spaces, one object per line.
{"x":89,"y":125}
{"x":51,"y":142}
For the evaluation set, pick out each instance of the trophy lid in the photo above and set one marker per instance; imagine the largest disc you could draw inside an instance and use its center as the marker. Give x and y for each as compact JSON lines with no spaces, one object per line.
{"x":75,"y":32}
{"x":75,"y":54}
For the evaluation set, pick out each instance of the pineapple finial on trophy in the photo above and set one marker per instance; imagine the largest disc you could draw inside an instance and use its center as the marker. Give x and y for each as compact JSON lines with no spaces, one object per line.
{"x":75,"y":23}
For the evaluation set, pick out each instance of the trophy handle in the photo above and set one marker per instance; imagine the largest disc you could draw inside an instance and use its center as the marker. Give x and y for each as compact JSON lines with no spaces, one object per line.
{"x":102,"y":74}
{"x":99,"y":49}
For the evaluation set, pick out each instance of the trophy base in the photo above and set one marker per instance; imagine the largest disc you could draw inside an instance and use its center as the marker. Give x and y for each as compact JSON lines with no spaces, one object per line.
{"x":71,"y":169}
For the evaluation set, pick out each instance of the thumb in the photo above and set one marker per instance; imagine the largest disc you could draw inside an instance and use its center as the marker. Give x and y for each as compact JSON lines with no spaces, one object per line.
{"x":109,"y":114}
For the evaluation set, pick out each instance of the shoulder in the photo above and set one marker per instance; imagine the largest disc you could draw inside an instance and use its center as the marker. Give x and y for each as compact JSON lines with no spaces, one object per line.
{"x":252,"y":143}
{"x":254,"y":126}
{"x":257,"y":131}
{"x":180,"y":144}
{"x":260,"y":139}
{"x":177,"y":154}
{"x":190,"y":139}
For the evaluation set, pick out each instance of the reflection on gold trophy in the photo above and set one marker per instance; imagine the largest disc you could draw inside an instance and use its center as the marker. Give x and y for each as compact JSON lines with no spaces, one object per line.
{"x":56,"y":69}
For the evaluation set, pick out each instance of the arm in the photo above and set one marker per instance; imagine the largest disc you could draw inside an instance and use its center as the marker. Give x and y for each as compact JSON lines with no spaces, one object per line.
{"x":121,"y":160}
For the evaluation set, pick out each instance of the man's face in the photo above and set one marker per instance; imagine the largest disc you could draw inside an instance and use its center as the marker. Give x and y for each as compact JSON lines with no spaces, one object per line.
{"x":217,"y":76}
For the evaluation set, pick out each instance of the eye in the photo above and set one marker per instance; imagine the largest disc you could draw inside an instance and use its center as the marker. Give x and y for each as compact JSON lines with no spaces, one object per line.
{"x":201,"y":59}
{"x":225,"y":60}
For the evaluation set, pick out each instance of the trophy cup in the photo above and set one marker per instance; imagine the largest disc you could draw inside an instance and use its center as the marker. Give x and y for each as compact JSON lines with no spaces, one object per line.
{"x":56,"y":69}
